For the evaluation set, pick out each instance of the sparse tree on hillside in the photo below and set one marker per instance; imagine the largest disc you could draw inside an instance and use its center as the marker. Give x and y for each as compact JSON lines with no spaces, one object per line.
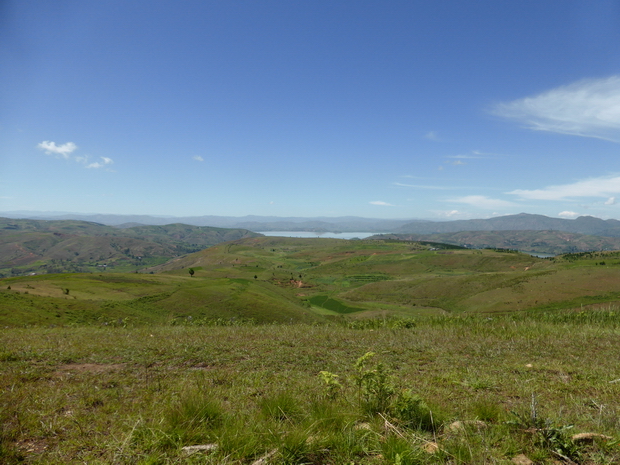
{"x":191,"y":272}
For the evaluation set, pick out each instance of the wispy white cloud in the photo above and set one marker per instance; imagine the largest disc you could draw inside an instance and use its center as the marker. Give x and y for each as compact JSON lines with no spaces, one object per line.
{"x":432,"y":135}
{"x":588,"y":108}
{"x":474,"y":155}
{"x":422,"y":186}
{"x":568,"y":214}
{"x":482,"y":201}
{"x":455,"y":214}
{"x":197,"y":158}
{"x":450,"y":213}
{"x":610,"y":201}
{"x":63,"y":150}
{"x":381,"y":203}
{"x":604,"y":186}
{"x":104,"y":161}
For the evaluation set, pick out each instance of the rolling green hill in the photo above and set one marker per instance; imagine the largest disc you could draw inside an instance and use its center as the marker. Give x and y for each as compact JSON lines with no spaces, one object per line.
{"x":37,"y":246}
{"x":268,"y":279}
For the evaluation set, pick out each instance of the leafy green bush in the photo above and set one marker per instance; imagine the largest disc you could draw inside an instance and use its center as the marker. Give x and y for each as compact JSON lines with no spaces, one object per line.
{"x":376,"y":386}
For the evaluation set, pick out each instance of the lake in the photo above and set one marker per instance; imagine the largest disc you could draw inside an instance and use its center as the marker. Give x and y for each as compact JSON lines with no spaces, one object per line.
{"x":330,"y":235}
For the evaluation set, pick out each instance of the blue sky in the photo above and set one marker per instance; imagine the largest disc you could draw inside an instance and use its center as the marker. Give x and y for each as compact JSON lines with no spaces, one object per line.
{"x":383,"y":109}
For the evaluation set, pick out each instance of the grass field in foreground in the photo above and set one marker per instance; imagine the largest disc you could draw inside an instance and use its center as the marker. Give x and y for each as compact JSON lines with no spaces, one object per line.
{"x":515,"y":384}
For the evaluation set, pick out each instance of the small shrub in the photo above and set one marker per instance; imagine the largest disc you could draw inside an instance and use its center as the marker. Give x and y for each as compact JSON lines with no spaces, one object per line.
{"x":332,"y":386}
{"x":376,"y":386}
{"x":546,"y":435}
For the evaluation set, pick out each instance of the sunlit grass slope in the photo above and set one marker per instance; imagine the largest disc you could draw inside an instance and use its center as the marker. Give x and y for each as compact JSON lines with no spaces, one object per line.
{"x":271,"y":279}
{"x":143,"y":299}
{"x":411,"y":278}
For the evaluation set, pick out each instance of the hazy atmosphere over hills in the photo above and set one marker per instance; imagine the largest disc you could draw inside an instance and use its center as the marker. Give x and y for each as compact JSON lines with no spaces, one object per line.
{"x":427,"y":110}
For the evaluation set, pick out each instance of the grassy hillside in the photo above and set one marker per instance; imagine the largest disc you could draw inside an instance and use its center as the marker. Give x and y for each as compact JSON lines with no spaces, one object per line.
{"x":410,"y":278}
{"x":271,"y":279}
{"x":36,"y":246}
{"x":138,"y":299}
{"x":384,"y":352}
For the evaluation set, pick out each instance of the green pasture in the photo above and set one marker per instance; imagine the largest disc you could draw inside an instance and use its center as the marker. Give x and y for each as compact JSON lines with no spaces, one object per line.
{"x":435,"y":390}
{"x":270,"y":279}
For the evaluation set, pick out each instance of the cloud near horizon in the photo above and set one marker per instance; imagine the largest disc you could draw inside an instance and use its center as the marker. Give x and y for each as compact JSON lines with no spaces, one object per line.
{"x":604,"y":186}
{"x":568,"y":214}
{"x":197,"y":158}
{"x":482,"y":201}
{"x":381,"y":203}
{"x":587,"y":108}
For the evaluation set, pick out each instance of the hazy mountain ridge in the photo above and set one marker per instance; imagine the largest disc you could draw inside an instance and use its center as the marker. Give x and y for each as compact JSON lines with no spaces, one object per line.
{"x":252,"y":222}
{"x":543,"y":242}
{"x":523,"y":221}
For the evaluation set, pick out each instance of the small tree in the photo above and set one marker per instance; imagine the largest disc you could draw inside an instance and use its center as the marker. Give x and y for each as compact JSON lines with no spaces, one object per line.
{"x":191,"y":272}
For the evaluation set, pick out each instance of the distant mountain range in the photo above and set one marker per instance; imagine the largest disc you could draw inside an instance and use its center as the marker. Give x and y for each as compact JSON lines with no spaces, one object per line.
{"x":75,"y":245}
{"x":583,"y":225}
{"x":538,"y":242}
{"x":54,"y":246}
{"x":521,"y":222}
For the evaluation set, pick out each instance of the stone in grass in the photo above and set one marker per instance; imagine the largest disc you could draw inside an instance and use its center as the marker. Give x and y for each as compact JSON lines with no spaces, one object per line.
{"x":430,"y":447}
{"x":521,"y":459}
{"x":459,"y":426}
{"x":189,"y":450}
{"x":589,"y":437}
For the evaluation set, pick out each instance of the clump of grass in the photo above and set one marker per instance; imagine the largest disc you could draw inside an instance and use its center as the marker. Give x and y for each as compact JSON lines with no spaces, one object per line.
{"x":487,"y":410}
{"x":549,"y":438}
{"x":412,"y":412}
{"x":194,"y":416}
{"x":281,"y":407}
